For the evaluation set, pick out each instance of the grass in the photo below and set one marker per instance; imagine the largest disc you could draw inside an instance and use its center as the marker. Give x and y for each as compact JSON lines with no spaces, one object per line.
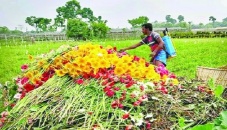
{"x":191,"y":53}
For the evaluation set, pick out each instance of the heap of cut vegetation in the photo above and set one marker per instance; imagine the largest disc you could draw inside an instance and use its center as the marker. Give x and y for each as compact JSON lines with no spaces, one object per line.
{"x":92,"y":87}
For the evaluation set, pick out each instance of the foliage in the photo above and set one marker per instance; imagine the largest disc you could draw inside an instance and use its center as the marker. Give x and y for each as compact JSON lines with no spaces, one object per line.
{"x":70,"y":10}
{"x":39,"y":23}
{"x":99,"y":29}
{"x":77,"y":29}
{"x":180,"y":18}
{"x":170,"y":20}
{"x":137,"y":22}
{"x":218,"y":124}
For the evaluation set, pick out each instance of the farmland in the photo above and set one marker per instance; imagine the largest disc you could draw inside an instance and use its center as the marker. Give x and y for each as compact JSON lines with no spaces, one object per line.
{"x":63,"y":87}
{"x":191,"y":53}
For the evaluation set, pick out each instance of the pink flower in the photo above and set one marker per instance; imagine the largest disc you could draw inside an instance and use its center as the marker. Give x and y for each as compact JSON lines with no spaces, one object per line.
{"x":137,"y":103}
{"x":24,"y":80}
{"x":115,"y":104}
{"x":125,"y":116}
{"x":128,"y":127}
{"x":24,"y":67}
{"x":4,"y":114}
{"x":79,"y":81}
{"x":148,"y":125}
{"x":110,"y":93}
{"x":141,"y":87}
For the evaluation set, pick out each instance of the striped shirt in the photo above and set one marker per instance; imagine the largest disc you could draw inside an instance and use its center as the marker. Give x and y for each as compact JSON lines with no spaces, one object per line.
{"x":151,"y":40}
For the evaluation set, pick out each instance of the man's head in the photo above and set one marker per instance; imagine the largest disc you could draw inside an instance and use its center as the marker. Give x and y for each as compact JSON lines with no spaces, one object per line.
{"x":147,"y":28}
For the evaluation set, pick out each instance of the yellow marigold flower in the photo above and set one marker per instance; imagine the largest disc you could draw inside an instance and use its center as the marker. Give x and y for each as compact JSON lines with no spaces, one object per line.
{"x":60,"y":73}
{"x":114,"y":61}
{"x":175,"y":82}
{"x":35,"y":80}
{"x":164,"y":77}
{"x":68,"y":66}
{"x":126,"y":59}
{"x":104,"y":63}
{"x":95,"y":64}
{"x":136,"y":74}
{"x":118,"y":71}
{"x":41,"y":63}
{"x":29,"y":75}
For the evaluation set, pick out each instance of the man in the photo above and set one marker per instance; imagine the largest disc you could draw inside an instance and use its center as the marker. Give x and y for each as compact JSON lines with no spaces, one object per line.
{"x":155,"y":42}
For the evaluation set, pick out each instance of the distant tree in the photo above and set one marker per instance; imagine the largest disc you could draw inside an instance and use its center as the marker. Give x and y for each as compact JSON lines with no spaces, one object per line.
{"x":59,"y":21}
{"x":224,"y":20}
{"x":99,"y":29}
{"x":190,"y":25}
{"x":77,"y":29}
{"x":182,"y":24}
{"x":31,"y":21}
{"x":100,"y":20}
{"x":213,"y":19}
{"x":87,"y":13}
{"x":170,"y":20}
{"x":180,"y":18}
{"x":39,"y":23}
{"x":137,"y":22}
{"x":4,"y":30}
{"x":201,"y":25}
{"x":43,"y":23}
{"x":70,"y":10}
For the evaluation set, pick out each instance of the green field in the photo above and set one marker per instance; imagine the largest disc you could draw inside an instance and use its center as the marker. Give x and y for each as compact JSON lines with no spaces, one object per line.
{"x":191,"y":53}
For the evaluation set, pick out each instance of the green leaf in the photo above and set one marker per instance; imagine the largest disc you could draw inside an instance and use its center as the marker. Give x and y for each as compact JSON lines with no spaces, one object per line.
{"x":181,"y":122}
{"x":22,"y":121}
{"x":208,"y":126}
{"x":224,"y":118}
{"x":34,"y":108}
{"x":218,"y":91}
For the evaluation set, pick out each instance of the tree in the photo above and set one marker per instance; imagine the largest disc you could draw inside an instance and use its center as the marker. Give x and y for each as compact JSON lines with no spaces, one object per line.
{"x":190,"y":24}
{"x":77,"y":29}
{"x":87,"y":13}
{"x":70,"y":10}
{"x":170,"y":20}
{"x":201,"y":25}
{"x":213,"y":19}
{"x":99,"y":19}
{"x":43,"y":23}
{"x":182,"y":24}
{"x":31,"y":21}
{"x":4,"y":29}
{"x":38,"y":23}
{"x":99,"y":29}
{"x":137,"y":22}
{"x":180,"y":18}
{"x":224,"y":20}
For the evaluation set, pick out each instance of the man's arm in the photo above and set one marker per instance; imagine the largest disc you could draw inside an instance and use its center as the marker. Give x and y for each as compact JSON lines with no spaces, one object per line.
{"x":131,"y":47}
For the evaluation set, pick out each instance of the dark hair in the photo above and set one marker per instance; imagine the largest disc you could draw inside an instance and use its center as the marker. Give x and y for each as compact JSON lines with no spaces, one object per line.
{"x":148,"y":26}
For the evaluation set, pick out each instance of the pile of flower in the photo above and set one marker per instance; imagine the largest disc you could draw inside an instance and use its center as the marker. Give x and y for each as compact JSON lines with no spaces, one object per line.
{"x":92,"y":87}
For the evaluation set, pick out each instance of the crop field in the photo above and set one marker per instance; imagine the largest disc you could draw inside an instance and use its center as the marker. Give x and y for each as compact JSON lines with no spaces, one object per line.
{"x":85,"y":86}
{"x":191,"y":53}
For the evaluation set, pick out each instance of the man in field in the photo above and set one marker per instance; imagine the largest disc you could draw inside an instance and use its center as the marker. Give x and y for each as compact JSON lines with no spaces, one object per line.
{"x":155,"y":42}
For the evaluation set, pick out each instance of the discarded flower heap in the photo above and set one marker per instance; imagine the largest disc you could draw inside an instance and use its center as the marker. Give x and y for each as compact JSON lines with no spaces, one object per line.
{"x":121,"y":78}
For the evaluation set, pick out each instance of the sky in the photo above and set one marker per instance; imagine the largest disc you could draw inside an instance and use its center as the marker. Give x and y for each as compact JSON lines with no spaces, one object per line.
{"x":117,"y":12}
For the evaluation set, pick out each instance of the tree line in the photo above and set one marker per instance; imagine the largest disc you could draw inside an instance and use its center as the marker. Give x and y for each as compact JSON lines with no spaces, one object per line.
{"x":80,"y":22}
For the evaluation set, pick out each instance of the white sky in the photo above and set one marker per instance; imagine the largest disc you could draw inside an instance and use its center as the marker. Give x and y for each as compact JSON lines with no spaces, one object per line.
{"x":117,"y":12}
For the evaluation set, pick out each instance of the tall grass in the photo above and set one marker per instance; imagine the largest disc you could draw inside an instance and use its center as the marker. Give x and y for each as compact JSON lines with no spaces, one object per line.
{"x":191,"y":53}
